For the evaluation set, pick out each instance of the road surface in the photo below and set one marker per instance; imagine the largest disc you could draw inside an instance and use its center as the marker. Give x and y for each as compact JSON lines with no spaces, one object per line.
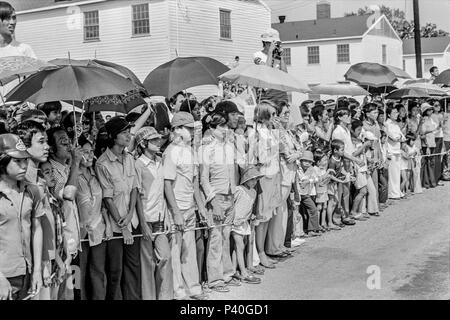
{"x":403,"y":254}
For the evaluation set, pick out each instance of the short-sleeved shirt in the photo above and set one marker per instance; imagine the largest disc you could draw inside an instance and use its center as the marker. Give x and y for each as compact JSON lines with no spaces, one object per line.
{"x":393,"y":131}
{"x":243,"y":204}
{"x":150,"y":176}
{"x":344,"y":135}
{"x":181,"y":166}
{"x":336,"y":165}
{"x":89,"y":201}
{"x":117,"y":180}
{"x":17,"y":209}
{"x":16,"y":48}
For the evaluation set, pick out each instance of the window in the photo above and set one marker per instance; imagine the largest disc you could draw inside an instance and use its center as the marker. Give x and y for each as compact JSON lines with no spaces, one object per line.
{"x":225,"y":24}
{"x":141,"y":19}
{"x":91,"y":26}
{"x":287,"y":56}
{"x":313,"y":55}
{"x":404,"y":64}
{"x":343,"y":53}
{"x":383,"y":54}
{"x":427,"y":64}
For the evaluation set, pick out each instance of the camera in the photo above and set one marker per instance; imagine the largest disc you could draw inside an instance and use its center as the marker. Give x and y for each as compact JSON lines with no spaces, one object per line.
{"x":278,"y":51}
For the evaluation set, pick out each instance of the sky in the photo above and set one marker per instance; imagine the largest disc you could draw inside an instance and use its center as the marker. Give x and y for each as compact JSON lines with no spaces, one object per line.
{"x":435,"y":11}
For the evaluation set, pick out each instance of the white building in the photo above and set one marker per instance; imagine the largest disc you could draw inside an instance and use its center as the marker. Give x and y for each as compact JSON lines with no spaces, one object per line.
{"x":435,"y":52}
{"x":322,"y":50}
{"x":142,"y":34}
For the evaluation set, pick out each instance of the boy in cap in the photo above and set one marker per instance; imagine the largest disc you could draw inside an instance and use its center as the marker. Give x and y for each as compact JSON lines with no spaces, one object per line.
{"x":20,"y":209}
{"x":156,"y":261}
{"x":182,"y":194}
{"x":117,"y":176}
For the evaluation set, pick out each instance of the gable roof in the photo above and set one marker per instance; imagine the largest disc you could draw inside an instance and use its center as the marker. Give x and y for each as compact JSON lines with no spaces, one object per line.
{"x":429,"y":45}
{"x":343,"y":27}
{"x":23,"y":5}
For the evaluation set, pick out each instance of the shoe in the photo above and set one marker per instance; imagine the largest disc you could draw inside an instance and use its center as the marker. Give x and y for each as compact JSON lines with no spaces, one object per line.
{"x":233,"y":283}
{"x":348,"y":222}
{"x":314,"y":233}
{"x":357,"y":218}
{"x":251,"y":279}
{"x":297,"y":242}
{"x":220,"y":288}
{"x":366,"y":216}
{"x":268,"y":266}
{"x":375,"y":214}
{"x":199,"y":297}
{"x":335,"y":227}
{"x":257,"y":271}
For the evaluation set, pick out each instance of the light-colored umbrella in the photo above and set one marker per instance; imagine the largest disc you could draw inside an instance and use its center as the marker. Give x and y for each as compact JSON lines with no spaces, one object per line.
{"x":343,"y":89}
{"x":431,"y":89}
{"x":265,"y":77}
{"x":14,"y":67}
{"x":414,"y":81}
{"x":408,"y":92}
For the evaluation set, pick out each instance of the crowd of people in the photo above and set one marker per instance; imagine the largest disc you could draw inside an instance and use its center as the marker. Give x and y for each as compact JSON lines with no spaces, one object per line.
{"x":185,"y":198}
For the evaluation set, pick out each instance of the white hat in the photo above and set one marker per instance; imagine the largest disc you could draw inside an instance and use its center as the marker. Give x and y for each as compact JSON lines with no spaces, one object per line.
{"x":270,"y":35}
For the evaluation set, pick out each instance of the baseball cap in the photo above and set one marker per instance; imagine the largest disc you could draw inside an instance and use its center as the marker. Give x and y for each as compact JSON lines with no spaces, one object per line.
{"x":116,"y":125}
{"x":227,"y":107}
{"x":182,"y":119}
{"x":146,"y":133}
{"x":11,"y":145}
{"x":307,"y":156}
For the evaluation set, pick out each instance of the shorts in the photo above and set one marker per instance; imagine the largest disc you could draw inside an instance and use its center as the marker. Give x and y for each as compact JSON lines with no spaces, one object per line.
{"x":242,"y":229}
{"x":322,"y":197}
{"x":333,"y":188}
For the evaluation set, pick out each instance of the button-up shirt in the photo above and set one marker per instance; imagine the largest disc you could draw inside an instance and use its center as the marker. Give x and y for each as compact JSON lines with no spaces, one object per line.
{"x":89,"y":200}
{"x":67,"y":195}
{"x":17,"y":209}
{"x":117,"y":180}
{"x":181,"y":166}
{"x":264,"y":149}
{"x":150,"y":176}
{"x":218,"y":171}
{"x":343,"y":134}
{"x":393,"y":131}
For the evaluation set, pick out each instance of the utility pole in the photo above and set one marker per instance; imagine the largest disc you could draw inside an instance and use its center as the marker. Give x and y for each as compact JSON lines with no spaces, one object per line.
{"x":417,"y":44}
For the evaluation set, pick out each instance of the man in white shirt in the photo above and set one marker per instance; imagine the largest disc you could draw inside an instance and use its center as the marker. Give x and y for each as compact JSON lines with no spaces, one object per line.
{"x":8,"y":44}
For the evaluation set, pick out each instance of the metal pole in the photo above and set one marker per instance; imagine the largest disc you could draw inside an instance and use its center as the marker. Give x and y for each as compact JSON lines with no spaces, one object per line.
{"x":417,"y":44}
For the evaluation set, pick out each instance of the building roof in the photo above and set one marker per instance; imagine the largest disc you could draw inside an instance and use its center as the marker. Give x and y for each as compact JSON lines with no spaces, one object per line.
{"x":351,"y":26}
{"x":23,"y":5}
{"x":429,"y":45}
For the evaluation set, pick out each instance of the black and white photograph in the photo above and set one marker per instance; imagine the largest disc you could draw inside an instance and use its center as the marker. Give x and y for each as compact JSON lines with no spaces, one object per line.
{"x":236,"y":154}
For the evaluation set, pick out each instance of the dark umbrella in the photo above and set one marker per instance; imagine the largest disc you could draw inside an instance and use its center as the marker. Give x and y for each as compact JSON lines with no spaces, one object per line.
{"x":371,"y":75}
{"x":182,"y":73}
{"x":70,"y":83}
{"x":443,"y":78}
{"x":408,"y":93}
{"x":379,"y":90}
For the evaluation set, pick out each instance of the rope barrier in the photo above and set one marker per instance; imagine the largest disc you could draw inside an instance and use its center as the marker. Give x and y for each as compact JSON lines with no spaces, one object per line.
{"x":167,"y":232}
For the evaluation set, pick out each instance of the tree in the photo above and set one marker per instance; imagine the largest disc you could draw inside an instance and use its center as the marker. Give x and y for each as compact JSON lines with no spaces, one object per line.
{"x":403,"y":27}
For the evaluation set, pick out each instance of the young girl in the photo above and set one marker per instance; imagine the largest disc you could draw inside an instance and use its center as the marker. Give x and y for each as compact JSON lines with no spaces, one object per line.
{"x":408,"y":163}
{"x":20,"y":209}
{"x":338,"y":176}
{"x":244,"y":199}
{"x":321,"y":160}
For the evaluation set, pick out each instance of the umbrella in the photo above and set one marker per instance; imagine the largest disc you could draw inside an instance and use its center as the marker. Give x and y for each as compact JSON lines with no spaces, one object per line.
{"x":371,"y":74}
{"x":182,"y":73}
{"x":70,"y":83}
{"x":414,"y":81}
{"x":264,"y":77}
{"x":408,"y":92}
{"x":334,"y":89}
{"x":443,"y":78}
{"x":14,"y":67}
{"x":399,"y":73}
{"x":114,"y":67}
{"x":379,"y":90}
{"x":431,"y":89}
{"x":117,"y":103}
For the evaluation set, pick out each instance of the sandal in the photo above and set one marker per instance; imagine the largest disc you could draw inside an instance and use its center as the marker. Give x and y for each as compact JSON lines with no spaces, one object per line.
{"x":220,"y":288}
{"x":257,"y":270}
{"x":199,"y":297}
{"x":233,"y":283}
{"x":251,"y":279}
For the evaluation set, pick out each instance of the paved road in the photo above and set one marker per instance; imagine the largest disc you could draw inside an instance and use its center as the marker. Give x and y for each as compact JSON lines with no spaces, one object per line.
{"x":409,"y":243}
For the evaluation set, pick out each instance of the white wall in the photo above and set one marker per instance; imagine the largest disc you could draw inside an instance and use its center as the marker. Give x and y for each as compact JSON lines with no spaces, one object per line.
{"x":440,"y":60}
{"x":372,"y":50}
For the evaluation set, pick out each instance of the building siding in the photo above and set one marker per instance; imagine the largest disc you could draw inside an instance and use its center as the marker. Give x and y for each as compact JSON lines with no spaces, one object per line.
{"x":372,"y":51}
{"x":441,"y":61}
{"x":198,"y":32}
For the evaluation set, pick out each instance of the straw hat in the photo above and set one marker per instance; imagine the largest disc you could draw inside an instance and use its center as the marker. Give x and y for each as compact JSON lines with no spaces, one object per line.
{"x":307,"y":156}
{"x":425,"y":106}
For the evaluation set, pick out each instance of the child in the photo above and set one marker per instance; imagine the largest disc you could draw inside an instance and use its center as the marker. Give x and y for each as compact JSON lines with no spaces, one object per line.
{"x":408,"y":163}
{"x":244,"y":199}
{"x":337,"y":176}
{"x":54,"y":270}
{"x":321,"y":160}
{"x":361,"y":172}
{"x":304,"y":182}
{"x":383,"y":172}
